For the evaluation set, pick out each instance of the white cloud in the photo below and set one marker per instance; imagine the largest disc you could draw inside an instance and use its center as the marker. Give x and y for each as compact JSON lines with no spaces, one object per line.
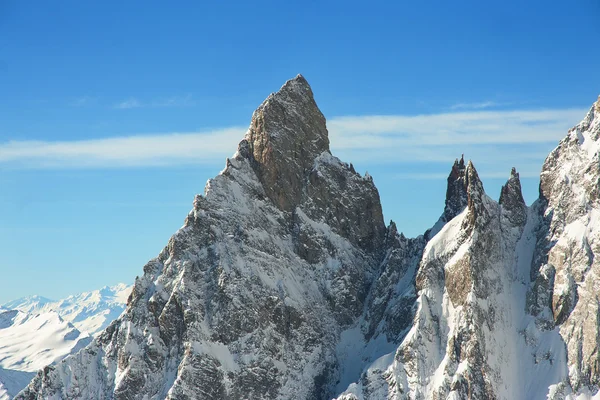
{"x":495,"y":140}
{"x":476,"y":106}
{"x":481,"y":127}
{"x":131,"y":102}
{"x":173,"y":101}
{"x":127,"y":151}
{"x":444,"y":175}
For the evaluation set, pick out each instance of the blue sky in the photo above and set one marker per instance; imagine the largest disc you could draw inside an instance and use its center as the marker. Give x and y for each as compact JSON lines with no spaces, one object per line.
{"x":112,"y":116}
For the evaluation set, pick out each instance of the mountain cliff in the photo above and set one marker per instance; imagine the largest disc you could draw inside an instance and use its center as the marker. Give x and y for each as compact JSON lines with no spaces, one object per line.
{"x":284,"y":282}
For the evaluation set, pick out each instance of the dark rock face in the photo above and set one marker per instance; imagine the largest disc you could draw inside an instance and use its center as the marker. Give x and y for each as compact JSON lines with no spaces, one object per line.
{"x":456,"y":196}
{"x":475,"y":197}
{"x":511,"y":200}
{"x":393,"y":294}
{"x":286,"y":134}
{"x":345,"y":201}
{"x":456,"y":192}
{"x":288,"y":146}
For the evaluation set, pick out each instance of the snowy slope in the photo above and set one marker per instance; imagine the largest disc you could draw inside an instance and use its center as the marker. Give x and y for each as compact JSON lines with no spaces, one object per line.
{"x":12,"y":382}
{"x":89,"y":312}
{"x":30,"y":342}
{"x":36,"y":331}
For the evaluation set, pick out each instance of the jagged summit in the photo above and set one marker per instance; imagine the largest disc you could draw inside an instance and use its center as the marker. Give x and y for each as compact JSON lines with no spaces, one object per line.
{"x":475,"y":195}
{"x":287,"y":146}
{"x":463,"y":182}
{"x":511,"y":199}
{"x":459,"y":181}
{"x":287,"y":133}
{"x":511,"y":188}
{"x":456,"y":192}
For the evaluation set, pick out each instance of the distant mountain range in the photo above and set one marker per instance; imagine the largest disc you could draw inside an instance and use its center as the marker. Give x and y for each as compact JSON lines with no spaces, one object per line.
{"x":36,"y":331}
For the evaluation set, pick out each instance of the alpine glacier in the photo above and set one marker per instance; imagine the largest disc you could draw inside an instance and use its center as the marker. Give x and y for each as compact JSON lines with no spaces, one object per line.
{"x":285,"y":283}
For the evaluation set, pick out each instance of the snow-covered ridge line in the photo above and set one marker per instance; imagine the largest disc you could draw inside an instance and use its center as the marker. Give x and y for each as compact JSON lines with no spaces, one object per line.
{"x":89,"y":312}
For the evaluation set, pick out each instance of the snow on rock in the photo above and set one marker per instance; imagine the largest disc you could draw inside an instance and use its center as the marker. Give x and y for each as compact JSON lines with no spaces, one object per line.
{"x":565,"y":268}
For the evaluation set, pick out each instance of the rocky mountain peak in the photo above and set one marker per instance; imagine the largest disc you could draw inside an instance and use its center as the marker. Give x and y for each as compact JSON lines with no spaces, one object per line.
{"x":456,"y":192}
{"x":475,"y":194}
{"x":511,"y":199}
{"x":287,"y":133}
{"x":464,"y":189}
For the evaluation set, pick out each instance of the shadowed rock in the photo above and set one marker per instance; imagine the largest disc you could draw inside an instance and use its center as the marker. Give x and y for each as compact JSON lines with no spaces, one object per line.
{"x":456,"y":192}
{"x":511,"y":200}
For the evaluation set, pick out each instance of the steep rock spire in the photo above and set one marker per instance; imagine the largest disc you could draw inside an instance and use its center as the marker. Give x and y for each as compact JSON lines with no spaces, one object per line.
{"x":456,"y":192}
{"x":475,"y":195}
{"x":287,"y":145}
{"x":286,"y":134}
{"x":511,"y":200}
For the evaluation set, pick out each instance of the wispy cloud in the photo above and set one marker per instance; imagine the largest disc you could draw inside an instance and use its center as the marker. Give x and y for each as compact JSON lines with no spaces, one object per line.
{"x":494,"y":138}
{"x":476,"y":127}
{"x":173,"y":101}
{"x":127,"y":151}
{"x":477,"y":106}
{"x":438,"y":176}
{"x":82,"y":101}
{"x":131,"y":102}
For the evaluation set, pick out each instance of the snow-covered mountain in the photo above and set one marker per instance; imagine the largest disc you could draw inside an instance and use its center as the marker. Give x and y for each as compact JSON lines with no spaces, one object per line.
{"x":12,"y":382}
{"x":284,"y":283}
{"x":89,"y":312}
{"x":35,"y":331}
{"x":29,"y":342}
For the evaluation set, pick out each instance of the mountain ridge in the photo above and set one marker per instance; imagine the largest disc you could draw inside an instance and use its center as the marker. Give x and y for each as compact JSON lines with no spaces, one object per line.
{"x":284,"y":282}
{"x":90,"y":311}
